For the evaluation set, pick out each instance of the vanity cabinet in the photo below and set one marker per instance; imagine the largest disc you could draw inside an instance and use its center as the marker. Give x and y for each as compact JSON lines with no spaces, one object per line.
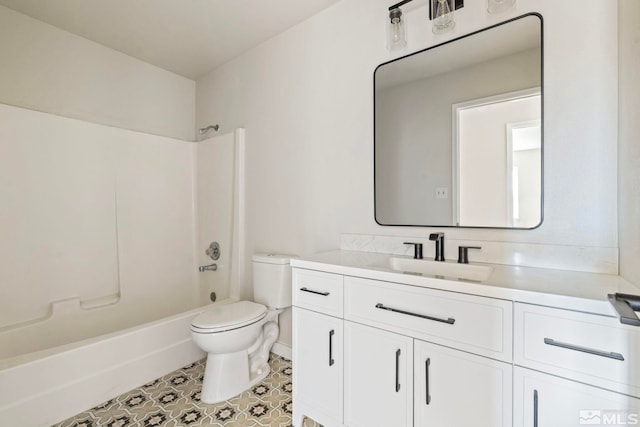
{"x":392,"y":354}
{"x":471,"y":323}
{"x":584,"y":347}
{"x":318,"y":379}
{"x":318,"y":347}
{"x":455,"y":388}
{"x":574,"y":369}
{"x":378,"y":377}
{"x":542,"y":400}
{"x":418,"y":354}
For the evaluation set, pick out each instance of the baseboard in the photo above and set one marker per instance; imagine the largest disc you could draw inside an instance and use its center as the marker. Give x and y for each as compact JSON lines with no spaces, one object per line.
{"x":282,"y":350}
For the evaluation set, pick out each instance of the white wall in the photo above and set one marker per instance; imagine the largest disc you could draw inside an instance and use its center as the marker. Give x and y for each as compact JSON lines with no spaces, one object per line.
{"x":47,"y":69}
{"x":305,"y":99}
{"x":629,"y":155}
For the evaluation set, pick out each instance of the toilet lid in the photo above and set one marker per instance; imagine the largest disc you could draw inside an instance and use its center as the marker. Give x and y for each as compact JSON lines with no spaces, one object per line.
{"x":229,"y":316}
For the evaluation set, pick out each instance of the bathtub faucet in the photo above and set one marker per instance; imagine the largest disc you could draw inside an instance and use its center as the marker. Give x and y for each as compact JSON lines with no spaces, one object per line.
{"x":210,"y":267}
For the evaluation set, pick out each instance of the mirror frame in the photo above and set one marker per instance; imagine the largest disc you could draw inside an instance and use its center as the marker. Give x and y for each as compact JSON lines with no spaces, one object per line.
{"x":535,"y":14}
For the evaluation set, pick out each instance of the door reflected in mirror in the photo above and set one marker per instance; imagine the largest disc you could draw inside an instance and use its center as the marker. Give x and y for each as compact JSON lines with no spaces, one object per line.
{"x":458,"y":131}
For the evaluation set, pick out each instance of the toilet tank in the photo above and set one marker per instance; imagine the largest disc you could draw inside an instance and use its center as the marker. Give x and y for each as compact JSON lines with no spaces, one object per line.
{"x":272,"y":280}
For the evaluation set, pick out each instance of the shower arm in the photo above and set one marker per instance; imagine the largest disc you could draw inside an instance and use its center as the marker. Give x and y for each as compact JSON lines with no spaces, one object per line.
{"x":208,"y":128}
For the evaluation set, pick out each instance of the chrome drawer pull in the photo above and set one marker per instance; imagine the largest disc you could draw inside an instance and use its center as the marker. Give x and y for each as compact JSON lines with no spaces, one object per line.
{"x":450,"y":321}
{"x":311,"y":291}
{"x":608,"y":354}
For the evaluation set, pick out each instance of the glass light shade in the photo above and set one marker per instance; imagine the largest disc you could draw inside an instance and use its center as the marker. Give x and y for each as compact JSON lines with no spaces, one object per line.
{"x":497,"y":6}
{"x":396,"y":30}
{"x":443,"y":20}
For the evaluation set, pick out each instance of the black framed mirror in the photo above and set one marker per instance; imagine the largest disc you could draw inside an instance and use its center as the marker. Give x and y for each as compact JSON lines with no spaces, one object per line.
{"x":458,"y":138}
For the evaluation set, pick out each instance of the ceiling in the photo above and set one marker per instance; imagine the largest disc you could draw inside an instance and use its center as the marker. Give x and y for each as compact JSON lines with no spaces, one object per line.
{"x":187,"y":37}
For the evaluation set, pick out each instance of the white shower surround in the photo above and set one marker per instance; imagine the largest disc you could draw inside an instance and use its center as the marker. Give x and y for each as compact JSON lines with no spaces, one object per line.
{"x":93,"y":308}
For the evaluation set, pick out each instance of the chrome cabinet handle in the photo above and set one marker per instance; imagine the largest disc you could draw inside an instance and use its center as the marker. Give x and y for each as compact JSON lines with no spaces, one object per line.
{"x":607,"y":354}
{"x":450,"y":320}
{"x":426,"y":379}
{"x":311,"y":291}
{"x":535,"y":408}
{"x":398,"y":370}
{"x":331,"y":361}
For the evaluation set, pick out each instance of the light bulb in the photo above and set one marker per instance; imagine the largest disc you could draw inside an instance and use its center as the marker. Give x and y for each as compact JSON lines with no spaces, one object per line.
{"x":497,"y":6}
{"x":443,"y":20}
{"x":396,"y":33}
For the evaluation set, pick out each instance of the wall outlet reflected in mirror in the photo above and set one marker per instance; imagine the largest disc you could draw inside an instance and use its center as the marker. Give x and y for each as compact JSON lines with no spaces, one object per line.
{"x":442,"y":193}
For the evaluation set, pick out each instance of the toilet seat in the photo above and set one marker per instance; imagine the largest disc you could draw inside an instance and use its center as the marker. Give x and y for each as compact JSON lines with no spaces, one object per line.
{"x":228,"y":316}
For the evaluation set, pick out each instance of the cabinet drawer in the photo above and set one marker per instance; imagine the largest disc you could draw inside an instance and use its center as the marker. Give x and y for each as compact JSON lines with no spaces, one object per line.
{"x":318,"y":291}
{"x":557,"y":402}
{"x":476,"y":324}
{"x":585,"y":347}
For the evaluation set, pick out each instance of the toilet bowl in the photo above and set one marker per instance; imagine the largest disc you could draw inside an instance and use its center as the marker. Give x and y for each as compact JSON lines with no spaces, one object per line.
{"x":238,"y":336}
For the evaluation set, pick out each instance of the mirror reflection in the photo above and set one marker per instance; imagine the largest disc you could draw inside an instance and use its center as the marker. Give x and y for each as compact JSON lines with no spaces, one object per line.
{"x":458,"y":131}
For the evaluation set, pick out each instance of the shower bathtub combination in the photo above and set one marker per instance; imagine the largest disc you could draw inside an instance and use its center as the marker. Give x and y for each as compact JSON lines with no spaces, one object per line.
{"x":47,"y":386}
{"x":103,"y":231}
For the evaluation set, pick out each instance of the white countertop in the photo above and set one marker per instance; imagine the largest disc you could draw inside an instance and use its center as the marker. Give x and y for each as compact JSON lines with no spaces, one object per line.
{"x":571,"y":290}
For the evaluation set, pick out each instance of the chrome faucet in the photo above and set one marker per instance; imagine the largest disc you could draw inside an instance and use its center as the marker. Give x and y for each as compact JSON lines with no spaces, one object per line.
{"x":213,"y":252}
{"x":210,"y":267}
{"x":439,"y":239}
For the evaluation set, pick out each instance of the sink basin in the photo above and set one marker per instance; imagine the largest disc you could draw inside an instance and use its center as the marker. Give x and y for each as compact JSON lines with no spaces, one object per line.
{"x":426,"y":267}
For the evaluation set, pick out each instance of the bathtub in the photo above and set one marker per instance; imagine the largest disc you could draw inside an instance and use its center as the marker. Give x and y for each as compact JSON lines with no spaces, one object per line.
{"x":44,"y":387}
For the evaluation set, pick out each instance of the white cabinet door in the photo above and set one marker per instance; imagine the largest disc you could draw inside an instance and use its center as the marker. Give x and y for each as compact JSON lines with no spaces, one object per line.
{"x":542,"y":400}
{"x":378,"y":378}
{"x":457,"y":389}
{"x":317,"y":367}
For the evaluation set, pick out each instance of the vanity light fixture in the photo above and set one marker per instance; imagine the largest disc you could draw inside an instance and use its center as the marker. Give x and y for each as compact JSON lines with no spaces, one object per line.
{"x":396,"y":30}
{"x":440,"y":11}
{"x":497,"y":6}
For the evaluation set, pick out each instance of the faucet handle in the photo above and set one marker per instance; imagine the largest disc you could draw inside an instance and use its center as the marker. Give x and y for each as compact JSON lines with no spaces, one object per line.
{"x":463,"y":253}
{"x":417,"y":249}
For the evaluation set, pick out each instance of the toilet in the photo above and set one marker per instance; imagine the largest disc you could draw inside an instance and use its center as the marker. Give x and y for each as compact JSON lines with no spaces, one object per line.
{"x":238,"y":336}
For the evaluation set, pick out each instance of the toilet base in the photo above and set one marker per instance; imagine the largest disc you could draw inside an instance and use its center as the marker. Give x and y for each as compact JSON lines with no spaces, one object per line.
{"x":227,"y":375}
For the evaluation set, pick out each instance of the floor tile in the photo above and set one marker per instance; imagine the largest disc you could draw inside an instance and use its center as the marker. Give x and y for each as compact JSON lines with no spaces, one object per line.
{"x":173,"y":400}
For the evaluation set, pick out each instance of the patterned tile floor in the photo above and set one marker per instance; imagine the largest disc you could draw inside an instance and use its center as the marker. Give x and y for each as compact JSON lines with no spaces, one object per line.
{"x":174,"y":401}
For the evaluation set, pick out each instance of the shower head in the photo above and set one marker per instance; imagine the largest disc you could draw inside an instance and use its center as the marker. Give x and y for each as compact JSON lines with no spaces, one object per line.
{"x":208,"y":128}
